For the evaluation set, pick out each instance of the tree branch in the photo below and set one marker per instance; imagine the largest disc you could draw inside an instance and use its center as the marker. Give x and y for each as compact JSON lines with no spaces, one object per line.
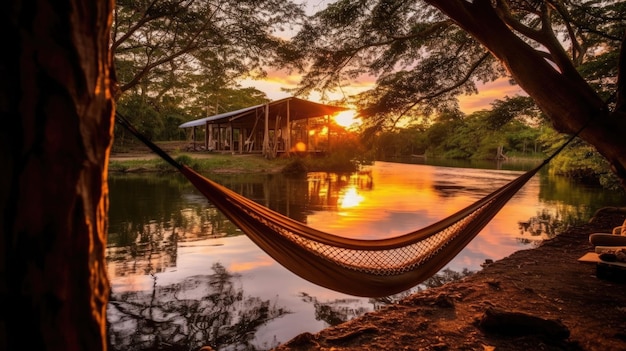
{"x":448,"y":89}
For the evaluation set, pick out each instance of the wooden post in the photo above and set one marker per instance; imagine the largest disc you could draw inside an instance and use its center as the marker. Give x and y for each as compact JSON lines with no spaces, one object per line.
{"x":241,"y":139}
{"x":287,"y":134}
{"x":210,"y":143}
{"x":232,"y":138}
{"x":193,"y":138}
{"x":327,"y":117}
{"x":207,"y":130}
{"x":266,"y":135}
{"x":220,"y":137}
{"x":306,"y":130}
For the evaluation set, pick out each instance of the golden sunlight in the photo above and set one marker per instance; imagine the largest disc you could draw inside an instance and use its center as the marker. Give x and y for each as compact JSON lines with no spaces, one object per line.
{"x":351,"y":198}
{"x":347,"y":118}
{"x":300,"y":146}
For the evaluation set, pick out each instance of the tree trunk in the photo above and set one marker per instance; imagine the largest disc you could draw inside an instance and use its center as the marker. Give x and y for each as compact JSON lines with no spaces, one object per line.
{"x":500,"y":153}
{"x":57,"y":116}
{"x":562,"y":94}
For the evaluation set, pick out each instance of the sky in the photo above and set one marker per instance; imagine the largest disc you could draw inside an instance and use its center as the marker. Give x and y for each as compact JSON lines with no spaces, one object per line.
{"x":276,"y":81}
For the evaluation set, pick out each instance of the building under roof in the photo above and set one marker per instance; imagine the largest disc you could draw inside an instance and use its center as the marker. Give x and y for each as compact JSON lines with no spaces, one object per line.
{"x":280,"y":126}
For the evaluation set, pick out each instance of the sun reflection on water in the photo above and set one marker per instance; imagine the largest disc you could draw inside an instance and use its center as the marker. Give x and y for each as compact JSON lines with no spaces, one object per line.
{"x":350,"y":198}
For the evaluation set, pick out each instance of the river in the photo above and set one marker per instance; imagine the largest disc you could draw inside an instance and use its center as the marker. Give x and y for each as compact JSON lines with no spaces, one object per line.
{"x":184,"y":276}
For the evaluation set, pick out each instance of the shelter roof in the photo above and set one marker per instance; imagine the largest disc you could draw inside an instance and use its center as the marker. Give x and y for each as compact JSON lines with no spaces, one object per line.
{"x":298,"y":109}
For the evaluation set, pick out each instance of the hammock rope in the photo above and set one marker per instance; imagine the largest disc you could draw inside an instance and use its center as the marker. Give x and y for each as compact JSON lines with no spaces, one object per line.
{"x":367,"y":268}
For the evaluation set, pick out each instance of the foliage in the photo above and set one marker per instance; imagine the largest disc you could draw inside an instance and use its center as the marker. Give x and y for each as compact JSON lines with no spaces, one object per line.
{"x":177,"y":45}
{"x":187,"y":160}
{"x":400,"y":142}
{"x":581,"y":162}
{"x":424,"y":61}
{"x":477,"y":136}
{"x":578,"y":161}
{"x":421,"y":59}
{"x":346,"y":153}
{"x":297,"y":167}
{"x":425,"y":54}
{"x":178,"y":60}
{"x":159,"y":117}
{"x":202,"y":163}
{"x":334,"y":162}
{"x":520,"y":108}
{"x":209,"y":309}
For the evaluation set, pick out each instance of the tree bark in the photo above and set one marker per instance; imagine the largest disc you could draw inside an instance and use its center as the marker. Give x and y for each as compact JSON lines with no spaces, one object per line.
{"x":568,"y":101}
{"x":57,"y":113}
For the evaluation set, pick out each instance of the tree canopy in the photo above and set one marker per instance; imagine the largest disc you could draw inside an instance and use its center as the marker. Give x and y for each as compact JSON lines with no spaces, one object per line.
{"x":205,"y":42}
{"x":178,"y":60}
{"x":425,"y":54}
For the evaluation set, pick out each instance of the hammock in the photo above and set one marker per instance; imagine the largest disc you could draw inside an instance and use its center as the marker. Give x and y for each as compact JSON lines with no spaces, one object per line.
{"x":366,"y":268}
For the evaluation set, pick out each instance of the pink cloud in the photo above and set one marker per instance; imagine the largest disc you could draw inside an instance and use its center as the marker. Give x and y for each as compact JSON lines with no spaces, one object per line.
{"x":277,"y":80}
{"x":487,"y":93}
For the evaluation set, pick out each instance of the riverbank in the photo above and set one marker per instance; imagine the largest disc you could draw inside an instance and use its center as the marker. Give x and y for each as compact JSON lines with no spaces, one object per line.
{"x":137,"y":158}
{"x":536,"y":299}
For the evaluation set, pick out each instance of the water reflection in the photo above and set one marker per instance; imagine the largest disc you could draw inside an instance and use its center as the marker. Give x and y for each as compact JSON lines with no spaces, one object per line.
{"x":204,"y":310}
{"x":544,"y":223}
{"x":334,"y":312}
{"x":333,"y":191}
{"x":150,"y":217}
{"x":165,"y":239}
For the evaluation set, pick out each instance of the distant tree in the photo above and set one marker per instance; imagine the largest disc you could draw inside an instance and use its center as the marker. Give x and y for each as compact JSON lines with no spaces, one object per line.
{"x":175,"y":44}
{"x":521,"y":108}
{"x":159,"y":117}
{"x":564,"y":54}
{"x":180,"y":59}
{"x":506,"y":127}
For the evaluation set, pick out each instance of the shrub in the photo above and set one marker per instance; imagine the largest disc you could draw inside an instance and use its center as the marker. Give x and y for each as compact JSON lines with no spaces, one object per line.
{"x":297,"y":167}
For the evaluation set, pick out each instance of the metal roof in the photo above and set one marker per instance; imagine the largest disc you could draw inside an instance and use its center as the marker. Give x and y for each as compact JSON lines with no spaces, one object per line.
{"x":298,"y":109}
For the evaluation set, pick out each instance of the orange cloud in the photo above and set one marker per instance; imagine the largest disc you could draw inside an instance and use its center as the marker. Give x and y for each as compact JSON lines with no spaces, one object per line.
{"x":487,"y":93}
{"x":278,"y":80}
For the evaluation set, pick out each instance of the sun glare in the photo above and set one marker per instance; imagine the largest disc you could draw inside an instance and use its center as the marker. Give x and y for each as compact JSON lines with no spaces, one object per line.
{"x":351,"y":198}
{"x":347,"y":118}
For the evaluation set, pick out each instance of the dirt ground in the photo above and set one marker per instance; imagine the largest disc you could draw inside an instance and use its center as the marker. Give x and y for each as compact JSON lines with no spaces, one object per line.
{"x":536,"y":299}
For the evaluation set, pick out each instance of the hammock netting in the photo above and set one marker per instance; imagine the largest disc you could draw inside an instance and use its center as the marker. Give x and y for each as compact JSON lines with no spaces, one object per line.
{"x":367,"y":268}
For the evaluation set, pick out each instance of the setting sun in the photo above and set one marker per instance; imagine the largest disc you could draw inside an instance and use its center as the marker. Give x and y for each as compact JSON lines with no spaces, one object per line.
{"x":347,"y":118}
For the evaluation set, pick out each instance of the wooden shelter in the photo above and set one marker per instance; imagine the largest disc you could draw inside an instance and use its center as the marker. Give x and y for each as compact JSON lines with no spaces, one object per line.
{"x":281,"y":126}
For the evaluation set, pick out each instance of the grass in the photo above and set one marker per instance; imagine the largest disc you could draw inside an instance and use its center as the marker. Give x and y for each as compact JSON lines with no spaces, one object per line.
{"x":206,"y":163}
{"x":136,"y":157}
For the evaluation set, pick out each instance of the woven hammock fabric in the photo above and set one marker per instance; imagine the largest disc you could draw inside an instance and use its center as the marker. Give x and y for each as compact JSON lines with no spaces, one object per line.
{"x":367,"y":268}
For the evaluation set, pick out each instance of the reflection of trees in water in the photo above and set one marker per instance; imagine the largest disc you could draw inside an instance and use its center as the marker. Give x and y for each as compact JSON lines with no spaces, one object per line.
{"x":445,"y":276}
{"x":544,"y":223}
{"x":148,"y":219}
{"x":334,"y":312}
{"x":201,"y":310}
{"x":325,"y":189}
{"x":340,"y":310}
{"x":153,"y":246}
{"x":152,"y":250}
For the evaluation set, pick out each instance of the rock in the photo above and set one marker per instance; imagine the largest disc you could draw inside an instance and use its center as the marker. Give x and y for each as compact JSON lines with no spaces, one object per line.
{"x":521,"y":324}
